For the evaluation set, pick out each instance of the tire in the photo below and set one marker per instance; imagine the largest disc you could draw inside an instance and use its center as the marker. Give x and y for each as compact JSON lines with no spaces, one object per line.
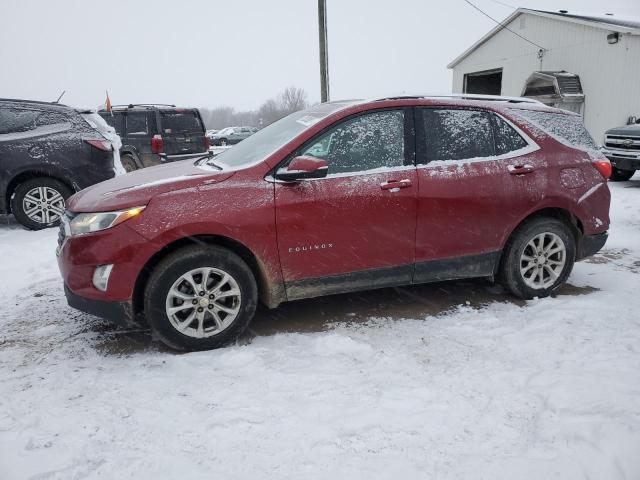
{"x":522,"y":246}
{"x":618,"y":175}
{"x":169,"y":287}
{"x":40,"y":202}
{"x":129,"y":163}
{"x":224,"y":142}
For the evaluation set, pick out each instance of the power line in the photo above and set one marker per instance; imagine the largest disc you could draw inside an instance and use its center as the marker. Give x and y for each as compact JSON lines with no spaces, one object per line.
{"x":504,"y":26}
{"x":504,"y":4}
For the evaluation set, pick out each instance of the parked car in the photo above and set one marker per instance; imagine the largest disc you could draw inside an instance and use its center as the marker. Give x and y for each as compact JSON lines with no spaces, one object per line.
{"x":622,"y":148}
{"x":47,"y":152}
{"x":155,"y":134}
{"x":232,"y":135}
{"x":341,"y":197}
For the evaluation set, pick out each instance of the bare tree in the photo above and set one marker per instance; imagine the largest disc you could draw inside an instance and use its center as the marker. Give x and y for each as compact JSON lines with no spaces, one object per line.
{"x":290,"y":100}
{"x":293,"y":99}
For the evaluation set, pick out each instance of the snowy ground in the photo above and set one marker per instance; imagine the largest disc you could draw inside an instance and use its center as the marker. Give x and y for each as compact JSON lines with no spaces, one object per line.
{"x":449,"y":381}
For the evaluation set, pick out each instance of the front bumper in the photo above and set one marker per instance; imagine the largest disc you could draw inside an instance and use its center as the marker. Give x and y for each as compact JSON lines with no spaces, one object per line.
{"x":120,"y":313}
{"x":622,"y":159}
{"x":591,"y":244}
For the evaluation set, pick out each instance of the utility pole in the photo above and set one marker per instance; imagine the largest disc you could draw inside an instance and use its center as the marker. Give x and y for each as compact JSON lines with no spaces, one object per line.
{"x":324,"y":64}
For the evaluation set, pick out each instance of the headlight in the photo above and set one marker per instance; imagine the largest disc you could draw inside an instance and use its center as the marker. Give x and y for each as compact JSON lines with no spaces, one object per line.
{"x":94,"y":222}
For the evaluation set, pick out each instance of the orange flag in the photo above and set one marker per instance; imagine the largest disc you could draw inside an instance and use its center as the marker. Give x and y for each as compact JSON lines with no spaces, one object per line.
{"x":107,"y":103}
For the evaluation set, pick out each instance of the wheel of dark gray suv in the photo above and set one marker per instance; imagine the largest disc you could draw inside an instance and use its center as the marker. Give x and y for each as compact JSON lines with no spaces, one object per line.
{"x":618,"y":175}
{"x":200,"y":297}
{"x":39,"y":202}
{"x":538,"y":258}
{"x":128,"y":163}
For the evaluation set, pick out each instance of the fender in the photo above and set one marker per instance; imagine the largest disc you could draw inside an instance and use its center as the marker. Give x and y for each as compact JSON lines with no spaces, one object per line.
{"x":133,"y":151}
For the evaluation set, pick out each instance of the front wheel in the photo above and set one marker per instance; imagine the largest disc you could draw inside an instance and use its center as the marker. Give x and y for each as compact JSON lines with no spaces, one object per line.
{"x":40,"y":202}
{"x":224,"y":142}
{"x":538,"y":258}
{"x":200,"y":298}
{"x":618,"y":175}
{"x":128,"y":163}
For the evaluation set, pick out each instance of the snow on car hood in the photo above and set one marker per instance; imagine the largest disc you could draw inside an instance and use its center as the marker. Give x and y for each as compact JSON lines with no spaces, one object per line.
{"x":137,"y":188}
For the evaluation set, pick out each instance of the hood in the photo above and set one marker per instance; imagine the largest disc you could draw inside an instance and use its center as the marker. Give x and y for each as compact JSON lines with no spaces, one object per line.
{"x":137,"y":188}
{"x":626,"y":130}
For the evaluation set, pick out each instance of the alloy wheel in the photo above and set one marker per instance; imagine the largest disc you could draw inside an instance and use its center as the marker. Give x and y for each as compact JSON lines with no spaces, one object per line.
{"x":43,"y":205}
{"x":203,"y":302}
{"x":543,"y":260}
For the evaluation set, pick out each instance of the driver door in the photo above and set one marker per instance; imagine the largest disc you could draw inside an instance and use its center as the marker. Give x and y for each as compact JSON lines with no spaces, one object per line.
{"x":355,"y":228}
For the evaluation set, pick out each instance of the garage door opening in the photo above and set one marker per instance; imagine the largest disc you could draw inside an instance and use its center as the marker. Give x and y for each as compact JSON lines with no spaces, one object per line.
{"x":488,"y":82}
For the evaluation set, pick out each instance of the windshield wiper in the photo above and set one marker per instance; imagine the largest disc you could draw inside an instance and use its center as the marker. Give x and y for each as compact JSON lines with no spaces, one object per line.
{"x":207,"y":160}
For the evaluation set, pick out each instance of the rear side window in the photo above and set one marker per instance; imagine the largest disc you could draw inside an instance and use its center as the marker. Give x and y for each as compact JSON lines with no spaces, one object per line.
{"x":141,"y":124}
{"x":15,"y":120}
{"x":181,"y":122}
{"x":51,"y":118}
{"x":565,"y":128}
{"x":365,"y":142}
{"x":507,"y":139}
{"x":451,"y":134}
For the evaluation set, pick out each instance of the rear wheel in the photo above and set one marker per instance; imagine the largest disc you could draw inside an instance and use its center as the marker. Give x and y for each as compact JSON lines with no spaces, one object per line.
{"x":200,"y":298}
{"x":618,"y":175}
{"x":538,"y":258}
{"x":40,"y":202}
{"x":129,"y":163}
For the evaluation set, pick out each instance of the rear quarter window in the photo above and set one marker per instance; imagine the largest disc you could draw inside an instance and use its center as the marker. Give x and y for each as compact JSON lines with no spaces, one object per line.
{"x":566,"y":128}
{"x":181,"y":122}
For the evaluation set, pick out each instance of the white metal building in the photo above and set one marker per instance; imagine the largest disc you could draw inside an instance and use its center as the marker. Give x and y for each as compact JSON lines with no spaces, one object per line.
{"x":584,"y":63}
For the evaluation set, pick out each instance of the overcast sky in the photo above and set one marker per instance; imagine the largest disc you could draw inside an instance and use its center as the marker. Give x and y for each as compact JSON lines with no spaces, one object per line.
{"x":239,"y":53}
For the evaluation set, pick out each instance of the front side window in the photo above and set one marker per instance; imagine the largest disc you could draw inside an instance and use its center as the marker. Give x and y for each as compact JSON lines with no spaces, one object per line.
{"x":507,"y":139}
{"x":366,"y":142}
{"x":451,"y":134}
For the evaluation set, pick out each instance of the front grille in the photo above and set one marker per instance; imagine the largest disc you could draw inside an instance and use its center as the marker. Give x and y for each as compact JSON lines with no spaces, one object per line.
{"x":622,"y":142}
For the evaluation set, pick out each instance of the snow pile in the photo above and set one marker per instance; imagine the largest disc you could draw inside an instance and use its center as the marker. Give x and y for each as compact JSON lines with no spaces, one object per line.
{"x":501,"y":390}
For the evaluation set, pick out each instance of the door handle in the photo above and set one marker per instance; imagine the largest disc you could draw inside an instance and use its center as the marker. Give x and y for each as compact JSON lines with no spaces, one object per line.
{"x":520,"y":169}
{"x":395,"y":184}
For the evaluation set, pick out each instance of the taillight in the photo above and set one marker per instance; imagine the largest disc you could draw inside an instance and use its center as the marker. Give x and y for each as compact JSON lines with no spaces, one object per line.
{"x":603,"y":166}
{"x":207,"y":143}
{"x":157,"y":144}
{"x":100,"y":144}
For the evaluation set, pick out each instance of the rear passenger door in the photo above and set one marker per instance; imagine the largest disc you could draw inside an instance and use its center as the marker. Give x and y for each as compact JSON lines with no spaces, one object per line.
{"x":470,"y":192}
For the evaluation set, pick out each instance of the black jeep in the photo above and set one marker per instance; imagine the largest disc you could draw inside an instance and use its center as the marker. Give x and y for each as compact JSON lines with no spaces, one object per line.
{"x":47,"y":152}
{"x":155,"y":134}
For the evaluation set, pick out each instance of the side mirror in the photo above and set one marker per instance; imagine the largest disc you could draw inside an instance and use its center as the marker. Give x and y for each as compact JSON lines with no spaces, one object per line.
{"x":304,"y":167}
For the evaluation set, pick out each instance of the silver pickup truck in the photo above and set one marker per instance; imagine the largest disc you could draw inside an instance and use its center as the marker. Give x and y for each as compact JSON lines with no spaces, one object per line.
{"x":622,"y":148}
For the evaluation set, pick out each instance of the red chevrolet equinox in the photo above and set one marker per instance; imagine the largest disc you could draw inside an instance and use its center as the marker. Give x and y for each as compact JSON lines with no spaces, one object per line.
{"x":341,"y":197}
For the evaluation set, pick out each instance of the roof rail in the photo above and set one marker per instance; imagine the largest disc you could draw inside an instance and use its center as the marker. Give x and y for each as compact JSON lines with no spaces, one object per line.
{"x":471,"y":96}
{"x":131,"y":105}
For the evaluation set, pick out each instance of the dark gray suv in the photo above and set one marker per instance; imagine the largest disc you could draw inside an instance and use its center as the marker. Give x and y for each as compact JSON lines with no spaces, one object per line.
{"x":47,"y":152}
{"x":155,"y":134}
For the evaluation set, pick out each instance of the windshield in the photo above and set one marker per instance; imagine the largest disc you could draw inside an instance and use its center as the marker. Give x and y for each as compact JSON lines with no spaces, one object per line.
{"x":264,"y":142}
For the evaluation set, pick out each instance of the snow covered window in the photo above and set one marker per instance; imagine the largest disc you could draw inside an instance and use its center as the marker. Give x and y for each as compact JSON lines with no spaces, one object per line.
{"x":15,"y":120}
{"x":179,"y":122}
{"x":366,"y":142}
{"x":507,"y":139}
{"x":566,"y":128}
{"x":455,"y":135}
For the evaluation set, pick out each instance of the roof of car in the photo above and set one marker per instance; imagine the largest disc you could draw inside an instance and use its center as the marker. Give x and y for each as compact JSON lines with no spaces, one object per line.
{"x":34,"y":102}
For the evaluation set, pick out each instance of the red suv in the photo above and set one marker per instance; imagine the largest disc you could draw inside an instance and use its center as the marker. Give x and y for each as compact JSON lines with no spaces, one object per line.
{"x":341,"y":197}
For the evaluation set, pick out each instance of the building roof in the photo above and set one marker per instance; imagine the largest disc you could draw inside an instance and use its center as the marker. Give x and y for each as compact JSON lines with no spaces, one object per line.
{"x":613,"y":23}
